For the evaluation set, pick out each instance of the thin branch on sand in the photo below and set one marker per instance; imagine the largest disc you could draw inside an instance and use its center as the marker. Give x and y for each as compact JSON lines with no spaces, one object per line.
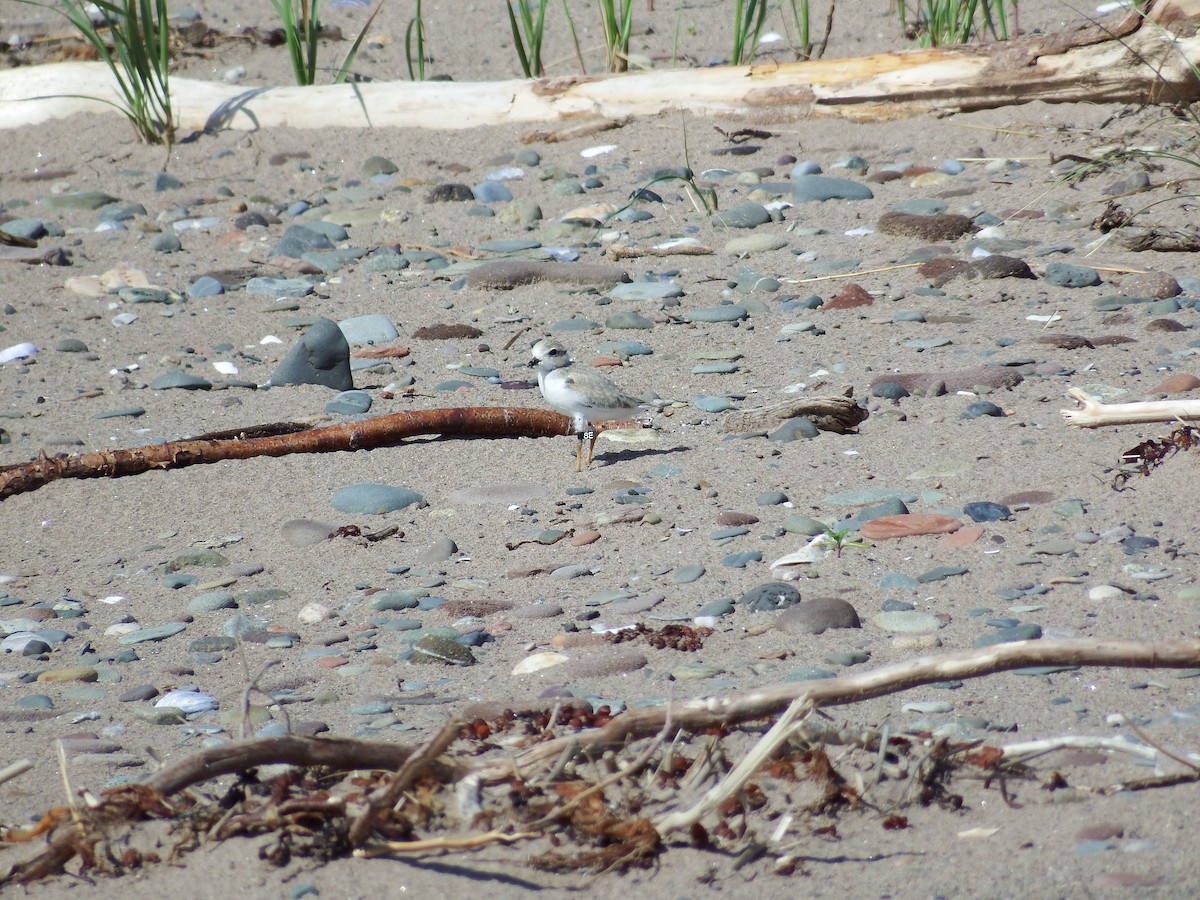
{"x":283,"y":439}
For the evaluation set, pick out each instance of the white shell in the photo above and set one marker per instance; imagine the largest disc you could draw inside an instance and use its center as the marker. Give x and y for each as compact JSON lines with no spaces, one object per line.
{"x":17,"y":351}
{"x":815,"y":550}
{"x":539,"y":661}
{"x":187,"y":701}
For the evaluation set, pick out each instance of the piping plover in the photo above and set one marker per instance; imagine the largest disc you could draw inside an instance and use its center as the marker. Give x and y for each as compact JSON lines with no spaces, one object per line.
{"x":584,"y":396}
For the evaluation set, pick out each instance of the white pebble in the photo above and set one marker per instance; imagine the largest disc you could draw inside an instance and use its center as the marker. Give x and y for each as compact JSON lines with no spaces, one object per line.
{"x":313,"y":613}
{"x":225,"y":368}
{"x":597,"y":151}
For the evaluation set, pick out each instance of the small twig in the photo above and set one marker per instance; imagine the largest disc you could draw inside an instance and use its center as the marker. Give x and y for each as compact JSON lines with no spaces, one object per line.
{"x":733,"y":782}
{"x":632,"y":769}
{"x":434,"y":845}
{"x":12,"y":770}
{"x":856,"y":274}
{"x":389,"y":795}
{"x":251,"y":686}
{"x":1027,"y":750}
{"x":1158,"y":746}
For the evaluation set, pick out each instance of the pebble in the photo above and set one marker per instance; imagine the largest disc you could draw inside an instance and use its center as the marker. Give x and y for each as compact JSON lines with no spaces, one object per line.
{"x":741,"y":215}
{"x":645,"y":290}
{"x":373,"y":499}
{"x":305,"y":532}
{"x":755,"y":243}
{"x":349,"y":403}
{"x":817,"y":188}
{"x":910,"y":525}
{"x":986,"y":511}
{"x":1068,"y":276}
{"x":818,"y":615}
{"x":152,"y":634}
{"x":770,"y":597}
{"x":714,"y":314}
{"x":906,"y":622}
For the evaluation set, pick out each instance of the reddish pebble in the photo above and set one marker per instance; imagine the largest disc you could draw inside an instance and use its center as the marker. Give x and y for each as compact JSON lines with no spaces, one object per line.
{"x":849,"y":297}
{"x":584,"y":538}
{"x":602,"y":361}
{"x":1101,"y":831}
{"x":231,"y":238}
{"x":578,"y":639}
{"x":1178,"y":384}
{"x":963,"y":537}
{"x":331,"y":662}
{"x":908,"y":526}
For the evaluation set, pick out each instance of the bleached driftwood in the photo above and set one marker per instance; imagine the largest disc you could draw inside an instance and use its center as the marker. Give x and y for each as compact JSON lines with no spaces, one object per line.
{"x":1126,"y":60}
{"x":1094,"y":414}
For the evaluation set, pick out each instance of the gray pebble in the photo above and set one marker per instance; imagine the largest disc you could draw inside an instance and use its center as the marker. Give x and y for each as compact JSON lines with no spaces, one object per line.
{"x":770,"y":597}
{"x":349,"y":403}
{"x":818,"y":615}
{"x":373,"y":499}
{"x":305,"y":532}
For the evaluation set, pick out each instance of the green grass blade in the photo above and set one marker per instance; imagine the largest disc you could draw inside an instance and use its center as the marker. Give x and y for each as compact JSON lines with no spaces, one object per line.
{"x":517,"y":41}
{"x":343,"y":71}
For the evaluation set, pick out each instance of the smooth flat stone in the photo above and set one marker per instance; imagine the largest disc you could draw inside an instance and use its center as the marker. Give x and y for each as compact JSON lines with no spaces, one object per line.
{"x":714,"y":314}
{"x":373,"y":499}
{"x":645,"y":290}
{"x":818,"y":615}
{"x":906,"y":622}
{"x":964,"y":537}
{"x":370,"y":329}
{"x":817,"y":188}
{"x":178,"y":380}
{"x":940,"y":573}
{"x":154,"y":633}
{"x":910,"y":525}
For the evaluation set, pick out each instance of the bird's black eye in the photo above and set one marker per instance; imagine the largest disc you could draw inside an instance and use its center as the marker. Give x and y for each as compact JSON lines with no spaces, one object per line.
{"x":555,"y":352}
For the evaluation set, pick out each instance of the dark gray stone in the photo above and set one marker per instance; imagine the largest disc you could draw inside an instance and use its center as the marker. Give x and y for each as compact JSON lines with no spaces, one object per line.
{"x":322,"y":357}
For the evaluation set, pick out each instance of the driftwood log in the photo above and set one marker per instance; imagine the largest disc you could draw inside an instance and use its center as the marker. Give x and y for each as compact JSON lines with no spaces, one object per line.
{"x":1142,"y":57}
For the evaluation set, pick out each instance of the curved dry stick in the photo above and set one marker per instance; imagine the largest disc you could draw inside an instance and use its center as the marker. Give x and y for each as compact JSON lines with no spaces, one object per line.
{"x":367,"y":434}
{"x":727,"y":709}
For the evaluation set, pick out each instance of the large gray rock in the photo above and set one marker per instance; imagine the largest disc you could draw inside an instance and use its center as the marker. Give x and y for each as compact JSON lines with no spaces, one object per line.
{"x":322,"y":356}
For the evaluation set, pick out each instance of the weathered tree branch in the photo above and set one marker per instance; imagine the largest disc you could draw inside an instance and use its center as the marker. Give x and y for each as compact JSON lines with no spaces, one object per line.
{"x":281,"y":440}
{"x":1095,"y":414}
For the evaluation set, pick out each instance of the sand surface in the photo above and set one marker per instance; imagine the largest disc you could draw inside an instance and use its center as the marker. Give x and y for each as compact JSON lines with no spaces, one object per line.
{"x":107,"y":544}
